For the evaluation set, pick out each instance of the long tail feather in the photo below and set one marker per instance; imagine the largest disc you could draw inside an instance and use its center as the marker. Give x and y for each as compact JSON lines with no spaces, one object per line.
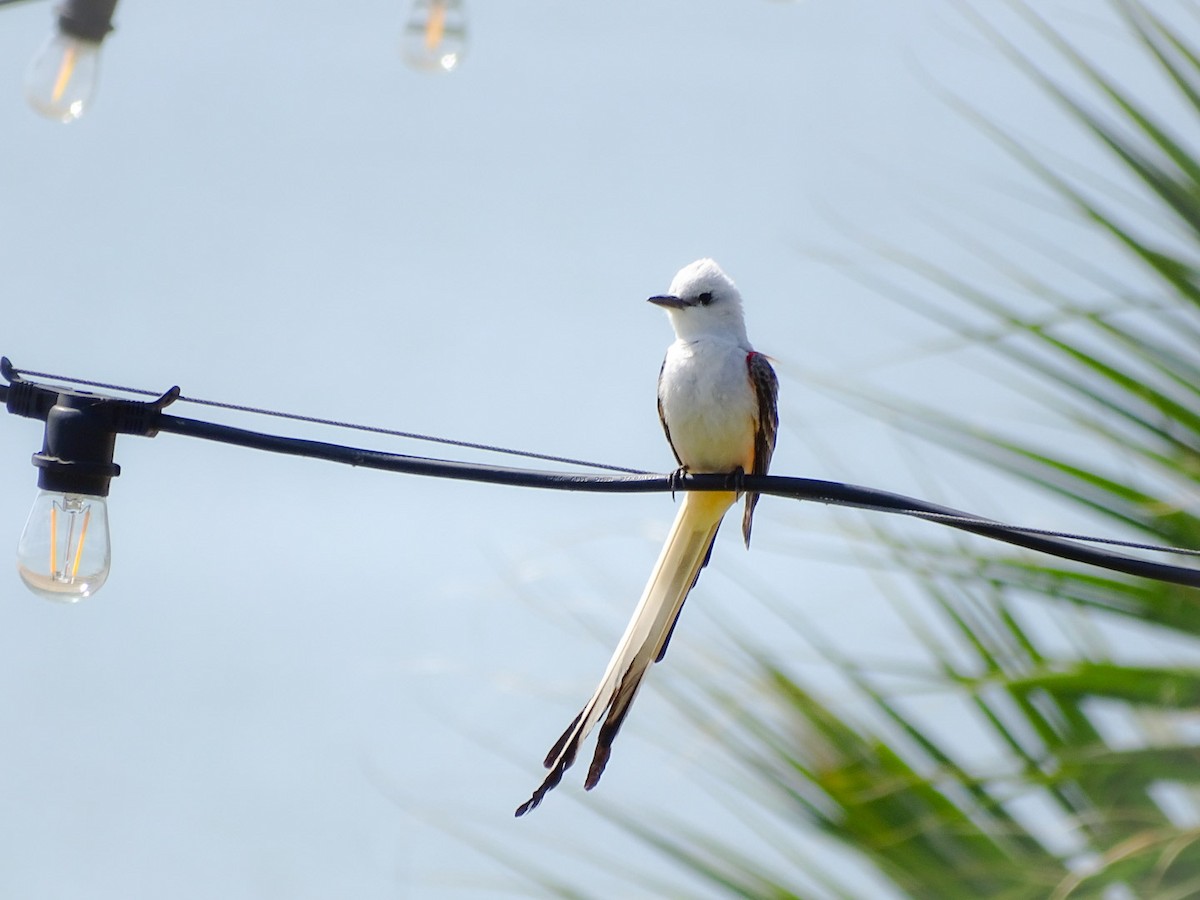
{"x":683,"y":555}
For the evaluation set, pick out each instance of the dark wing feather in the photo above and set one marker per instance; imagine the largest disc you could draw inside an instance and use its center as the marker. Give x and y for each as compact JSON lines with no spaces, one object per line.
{"x":766,"y":389}
{"x":662,"y":418}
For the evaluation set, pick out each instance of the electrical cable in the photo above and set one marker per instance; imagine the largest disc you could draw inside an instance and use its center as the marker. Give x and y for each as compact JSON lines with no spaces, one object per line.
{"x":1064,"y":545}
{"x":831,"y":492}
{"x":1047,"y":532}
{"x":528,"y":454}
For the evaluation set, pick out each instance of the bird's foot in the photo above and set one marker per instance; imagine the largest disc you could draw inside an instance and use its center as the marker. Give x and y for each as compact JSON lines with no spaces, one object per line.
{"x":737,"y":480}
{"x":675,"y":479}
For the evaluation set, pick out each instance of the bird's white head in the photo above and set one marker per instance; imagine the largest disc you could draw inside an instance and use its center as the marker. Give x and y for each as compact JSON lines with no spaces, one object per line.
{"x":702,"y":301}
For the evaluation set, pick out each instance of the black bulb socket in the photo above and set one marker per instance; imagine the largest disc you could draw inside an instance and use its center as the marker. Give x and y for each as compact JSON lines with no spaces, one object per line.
{"x":88,"y":20}
{"x":78,"y":446}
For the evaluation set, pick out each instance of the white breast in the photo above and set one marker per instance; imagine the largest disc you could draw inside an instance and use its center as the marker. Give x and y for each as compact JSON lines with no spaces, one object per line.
{"x":709,"y":405}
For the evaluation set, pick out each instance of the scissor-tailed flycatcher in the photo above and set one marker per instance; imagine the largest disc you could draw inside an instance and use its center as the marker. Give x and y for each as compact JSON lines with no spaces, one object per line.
{"x":717,"y":402}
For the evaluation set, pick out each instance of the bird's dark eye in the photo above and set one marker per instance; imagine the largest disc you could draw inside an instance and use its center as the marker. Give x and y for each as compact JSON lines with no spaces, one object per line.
{"x":705,"y":298}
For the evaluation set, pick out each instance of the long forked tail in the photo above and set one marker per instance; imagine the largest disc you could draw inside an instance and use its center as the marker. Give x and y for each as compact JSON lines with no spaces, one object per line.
{"x":644,"y":642}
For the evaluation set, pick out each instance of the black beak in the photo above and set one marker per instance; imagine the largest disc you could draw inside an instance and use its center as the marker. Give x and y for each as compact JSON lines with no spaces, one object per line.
{"x":669,"y":301}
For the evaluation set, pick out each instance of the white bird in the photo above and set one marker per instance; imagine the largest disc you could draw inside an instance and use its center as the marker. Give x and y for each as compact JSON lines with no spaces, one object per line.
{"x":717,"y":403}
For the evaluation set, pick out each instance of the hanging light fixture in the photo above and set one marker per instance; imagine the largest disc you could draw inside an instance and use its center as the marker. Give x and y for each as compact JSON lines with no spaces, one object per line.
{"x":61,"y":81}
{"x":435,"y":35}
{"x":65,"y":550}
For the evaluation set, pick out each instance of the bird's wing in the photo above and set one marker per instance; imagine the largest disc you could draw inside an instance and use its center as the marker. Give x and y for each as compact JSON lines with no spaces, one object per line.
{"x":766,"y":391}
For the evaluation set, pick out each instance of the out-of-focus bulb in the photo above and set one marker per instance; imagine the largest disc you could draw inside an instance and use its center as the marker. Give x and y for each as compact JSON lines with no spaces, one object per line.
{"x":62,"y":77}
{"x":435,"y":36}
{"x":64,"y":553}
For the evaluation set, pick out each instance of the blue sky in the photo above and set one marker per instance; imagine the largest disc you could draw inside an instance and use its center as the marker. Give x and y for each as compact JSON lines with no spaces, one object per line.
{"x":304,"y":680}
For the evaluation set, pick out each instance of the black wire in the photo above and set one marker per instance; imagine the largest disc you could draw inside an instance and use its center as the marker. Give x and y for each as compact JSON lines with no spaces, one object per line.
{"x":545,"y":457}
{"x":1060,"y":544}
{"x":1068,"y":535}
{"x":831,"y":492}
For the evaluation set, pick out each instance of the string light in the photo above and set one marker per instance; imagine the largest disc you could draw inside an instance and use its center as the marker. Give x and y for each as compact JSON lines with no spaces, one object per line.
{"x":61,"y":81}
{"x":65,"y":550}
{"x":435,"y":35}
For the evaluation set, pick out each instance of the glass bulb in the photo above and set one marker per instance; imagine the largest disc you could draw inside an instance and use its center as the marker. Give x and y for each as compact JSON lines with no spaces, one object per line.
{"x":435,"y":36}
{"x":62,"y":77}
{"x":64,"y":553}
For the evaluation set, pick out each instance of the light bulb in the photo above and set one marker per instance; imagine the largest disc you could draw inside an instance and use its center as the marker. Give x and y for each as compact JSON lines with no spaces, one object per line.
{"x":64,"y":553}
{"x":62,"y":77}
{"x":435,"y":35}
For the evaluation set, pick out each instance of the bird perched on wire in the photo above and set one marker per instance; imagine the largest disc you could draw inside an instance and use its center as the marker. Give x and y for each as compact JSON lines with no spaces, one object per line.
{"x":717,"y":399}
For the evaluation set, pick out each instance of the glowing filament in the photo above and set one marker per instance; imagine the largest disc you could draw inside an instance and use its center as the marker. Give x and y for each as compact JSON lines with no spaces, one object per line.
{"x":77,"y":514}
{"x":65,"y":71}
{"x":53,"y":539}
{"x":436,"y":29}
{"x":87,"y":514}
